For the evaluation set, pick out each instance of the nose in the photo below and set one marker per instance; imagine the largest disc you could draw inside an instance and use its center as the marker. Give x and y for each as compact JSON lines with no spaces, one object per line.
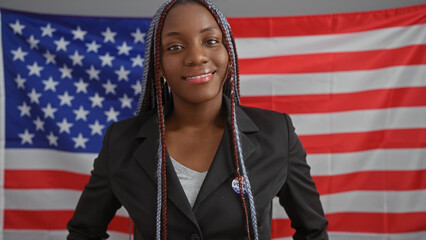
{"x":195,"y":55}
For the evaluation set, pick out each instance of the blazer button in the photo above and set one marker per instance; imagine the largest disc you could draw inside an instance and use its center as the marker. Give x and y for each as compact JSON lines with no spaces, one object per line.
{"x":195,"y":237}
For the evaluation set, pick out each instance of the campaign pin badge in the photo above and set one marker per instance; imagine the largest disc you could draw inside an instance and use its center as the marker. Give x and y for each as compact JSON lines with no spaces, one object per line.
{"x":236,"y":185}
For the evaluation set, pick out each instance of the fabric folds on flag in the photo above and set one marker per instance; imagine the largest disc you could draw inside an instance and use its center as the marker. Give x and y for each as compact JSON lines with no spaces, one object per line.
{"x":354,"y":84}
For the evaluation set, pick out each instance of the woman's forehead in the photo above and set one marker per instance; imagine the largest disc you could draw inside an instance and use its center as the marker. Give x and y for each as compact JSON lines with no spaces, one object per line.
{"x":188,"y":17}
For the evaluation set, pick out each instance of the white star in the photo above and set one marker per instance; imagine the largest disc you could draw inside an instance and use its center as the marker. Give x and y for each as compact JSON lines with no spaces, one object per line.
{"x":80,"y":141}
{"x":34,"y":69}
{"x":50,"y":84}
{"x":109,"y":87}
{"x":17,"y":27}
{"x":49,"y":111}
{"x":47,"y":31}
{"x":76,"y":58}
{"x":50,"y":58}
{"x":64,"y":126}
{"x":126,"y":101}
{"x":39,"y":124}
{"x":137,"y":87}
{"x":81,"y":114}
{"x":122,"y":74}
{"x":81,"y":86}
{"x":106,"y":59}
{"x":96,"y":128}
{"x":66,"y":72}
{"x":96,"y":100}
{"x":138,"y":36}
{"x":19,"y":54}
{"x":61,"y":44}
{"x":112,"y":114}
{"x":93,"y":47}
{"x":53,"y":140}
{"x":26,"y":137}
{"x":33,"y":42}
{"x":124,"y":49}
{"x":108,"y":35}
{"x":93,"y":73}
{"x":34,"y":96}
{"x":78,"y":33}
{"x":137,"y":61}
{"x":25,"y":109}
{"x":65,"y":99}
{"x":20,"y":81}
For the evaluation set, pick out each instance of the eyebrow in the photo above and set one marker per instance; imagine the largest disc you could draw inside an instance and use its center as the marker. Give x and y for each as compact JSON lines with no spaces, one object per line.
{"x":207,"y":29}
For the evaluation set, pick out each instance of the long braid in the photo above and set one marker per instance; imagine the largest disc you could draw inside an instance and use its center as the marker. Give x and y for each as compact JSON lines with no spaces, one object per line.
{"x":237,"y":164}
{"x":145,"y":100}
{"x":160,"y":108}
{"x":243,"y":168}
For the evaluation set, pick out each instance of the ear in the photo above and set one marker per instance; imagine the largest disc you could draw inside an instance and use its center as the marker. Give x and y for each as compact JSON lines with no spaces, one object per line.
{"x":161,"y":71}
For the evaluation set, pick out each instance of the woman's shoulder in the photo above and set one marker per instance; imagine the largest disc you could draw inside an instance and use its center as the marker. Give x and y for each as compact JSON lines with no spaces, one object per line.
{"x":268,"y":121}
{"x":260,"y":114}
{"x":132,"y":125}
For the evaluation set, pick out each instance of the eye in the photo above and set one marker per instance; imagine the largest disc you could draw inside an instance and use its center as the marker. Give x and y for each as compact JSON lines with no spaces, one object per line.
{"x":212,"y":42}
{"x":174,"y":48}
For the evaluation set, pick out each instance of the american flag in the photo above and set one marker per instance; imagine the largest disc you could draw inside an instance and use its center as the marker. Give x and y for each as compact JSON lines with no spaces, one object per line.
{"x":354,"y":84}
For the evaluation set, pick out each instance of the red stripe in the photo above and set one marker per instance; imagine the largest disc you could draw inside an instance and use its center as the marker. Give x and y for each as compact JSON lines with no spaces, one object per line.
{"x":338,"y":222}
{"x":335,"y":62}
{"x":327,"y":24}
{"x":337,"y":102}
{"x":361,"y":141}
{"x":361,"y":223}
{"x":50,"y":179}
{"x":51,"y":220}
{"x":372,"y":181}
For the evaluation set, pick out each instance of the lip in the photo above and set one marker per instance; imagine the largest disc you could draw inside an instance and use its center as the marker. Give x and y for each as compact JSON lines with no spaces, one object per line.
{"x":200,"y":77}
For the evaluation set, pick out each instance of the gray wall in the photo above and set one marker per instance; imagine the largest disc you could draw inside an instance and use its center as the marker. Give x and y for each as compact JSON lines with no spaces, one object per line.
{"x":146,"y":8}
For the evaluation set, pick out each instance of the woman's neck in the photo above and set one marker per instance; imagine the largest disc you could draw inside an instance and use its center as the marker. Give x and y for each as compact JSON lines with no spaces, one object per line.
{"x":197,"y":116}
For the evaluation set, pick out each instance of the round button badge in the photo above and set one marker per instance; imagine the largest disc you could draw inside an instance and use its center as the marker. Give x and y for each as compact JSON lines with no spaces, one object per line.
{"x":236,"y":185}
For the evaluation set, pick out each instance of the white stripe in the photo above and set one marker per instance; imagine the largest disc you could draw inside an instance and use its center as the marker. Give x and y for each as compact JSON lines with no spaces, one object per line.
{"x":386,"y":38}
{"x":375,"y":201}
{"x":321,"y":164}
{"x":51,"y":235}
{"x":2,"y":131}
{"x":45,"y":200}
{"x":366,"y":201}
{"x":49,"y":160}
{"x":371,"y":236}
{"x":360,"y":120}
{"x":373,"y":160}
{"x":332,"y":83}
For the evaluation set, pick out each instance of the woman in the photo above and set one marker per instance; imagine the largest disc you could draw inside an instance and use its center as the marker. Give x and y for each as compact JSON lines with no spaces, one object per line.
{"x":213,"y":165}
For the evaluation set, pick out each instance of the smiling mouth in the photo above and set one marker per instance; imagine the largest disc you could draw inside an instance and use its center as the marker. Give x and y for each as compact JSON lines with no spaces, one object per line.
{"x":199,"y":78}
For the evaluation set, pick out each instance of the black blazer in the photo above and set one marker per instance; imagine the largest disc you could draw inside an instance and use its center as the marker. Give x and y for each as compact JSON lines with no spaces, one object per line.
{"x":124,"y":174}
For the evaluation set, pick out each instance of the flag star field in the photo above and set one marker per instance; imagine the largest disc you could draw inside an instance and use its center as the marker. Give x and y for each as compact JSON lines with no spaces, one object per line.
{"x":66,"y":81}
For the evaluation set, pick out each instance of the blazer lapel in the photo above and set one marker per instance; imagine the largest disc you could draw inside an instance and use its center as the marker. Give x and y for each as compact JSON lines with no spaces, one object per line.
{"x":146,"y":156}
{"x":223,"y":165}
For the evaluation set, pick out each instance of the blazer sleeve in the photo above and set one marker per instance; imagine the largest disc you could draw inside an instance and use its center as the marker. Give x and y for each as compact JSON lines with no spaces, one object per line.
{"x":97,"y":204}
{"x":299,"y":196}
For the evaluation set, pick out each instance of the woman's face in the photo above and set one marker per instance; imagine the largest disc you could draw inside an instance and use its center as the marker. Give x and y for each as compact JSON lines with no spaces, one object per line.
{"x":194,"y":59}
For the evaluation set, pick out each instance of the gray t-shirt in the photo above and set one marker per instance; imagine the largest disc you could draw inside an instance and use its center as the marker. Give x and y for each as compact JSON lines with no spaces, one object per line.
{"x":190,"y":180}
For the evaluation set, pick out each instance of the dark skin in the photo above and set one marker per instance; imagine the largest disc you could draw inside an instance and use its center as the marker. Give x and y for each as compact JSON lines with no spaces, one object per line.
{"x":194,"y":61}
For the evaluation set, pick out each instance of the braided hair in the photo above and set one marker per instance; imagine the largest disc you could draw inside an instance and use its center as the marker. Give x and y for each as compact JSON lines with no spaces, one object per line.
{"x":155,"y":95}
